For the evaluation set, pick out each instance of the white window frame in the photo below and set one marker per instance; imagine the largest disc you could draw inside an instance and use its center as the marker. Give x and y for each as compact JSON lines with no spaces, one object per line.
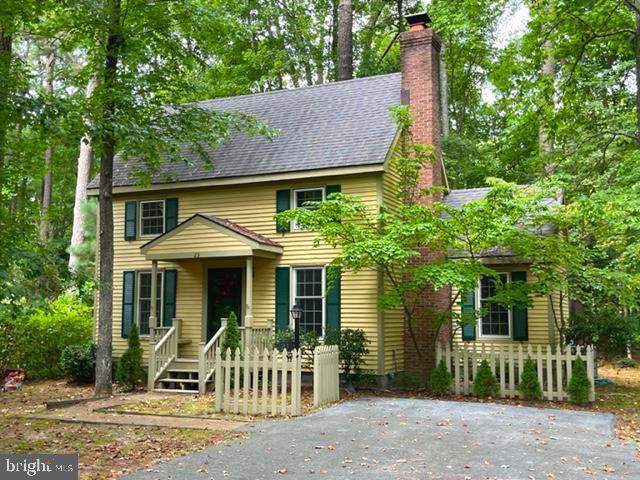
{"x":164,"y":214}
{"x":293,"y":294}
{"x":138,"y":298}
{"x":480,"y":320}
{"x":294,"y":199}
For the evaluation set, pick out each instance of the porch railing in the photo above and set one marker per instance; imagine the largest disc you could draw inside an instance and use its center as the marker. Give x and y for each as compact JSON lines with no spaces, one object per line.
{"x":206,"y":354}
{"x":163,"y":349}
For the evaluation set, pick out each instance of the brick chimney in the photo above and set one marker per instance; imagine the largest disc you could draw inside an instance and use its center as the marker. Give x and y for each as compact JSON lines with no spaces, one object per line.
{"x":420,"y":66}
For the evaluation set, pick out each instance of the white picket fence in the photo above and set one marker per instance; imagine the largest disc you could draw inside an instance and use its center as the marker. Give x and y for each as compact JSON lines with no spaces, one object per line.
{"x":553,"y":366}
{"x":266,"y":383}
{"x":326,"y":375}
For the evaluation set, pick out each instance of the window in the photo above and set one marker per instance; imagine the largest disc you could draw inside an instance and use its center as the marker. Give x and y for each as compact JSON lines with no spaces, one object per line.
{"x":144,"y":300}
{"x":151,"y":218}
{"x":301,"y":197}
{"x":496,"y":319}
{"x":308,"y":292}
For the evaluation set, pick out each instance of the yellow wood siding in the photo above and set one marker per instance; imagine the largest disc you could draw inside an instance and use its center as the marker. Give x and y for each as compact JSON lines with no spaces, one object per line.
{"x":393,"y":320}
{"x":538,"y":315}
{"x":253,"y":207}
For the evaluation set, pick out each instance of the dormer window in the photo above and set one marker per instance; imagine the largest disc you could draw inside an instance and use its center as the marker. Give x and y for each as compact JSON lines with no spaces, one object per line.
{"x":151,"y":218}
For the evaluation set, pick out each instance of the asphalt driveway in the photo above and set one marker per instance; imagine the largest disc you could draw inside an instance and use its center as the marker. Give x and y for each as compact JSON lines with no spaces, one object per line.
{"x":418,"y":439}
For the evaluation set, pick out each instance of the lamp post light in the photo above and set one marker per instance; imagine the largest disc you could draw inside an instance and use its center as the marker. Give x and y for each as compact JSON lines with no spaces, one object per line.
{"x":296,"y":313}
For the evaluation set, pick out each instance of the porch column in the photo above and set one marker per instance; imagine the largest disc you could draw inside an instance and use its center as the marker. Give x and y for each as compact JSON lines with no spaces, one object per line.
{"x":153,"y":315}
{"x":248,"y":315}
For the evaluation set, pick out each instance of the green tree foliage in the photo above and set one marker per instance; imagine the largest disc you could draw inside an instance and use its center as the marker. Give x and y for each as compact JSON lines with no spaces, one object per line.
{"x":35,"y":341}
{"x":485,"y":383}
{"x":232,"y":336}
{"x":579,"y":384}
{"x":529,"y":386}
{"x":129,"y":371}
{"x":78,"y":363}
{"x":353,"y":347}
{"x":440,"y":379}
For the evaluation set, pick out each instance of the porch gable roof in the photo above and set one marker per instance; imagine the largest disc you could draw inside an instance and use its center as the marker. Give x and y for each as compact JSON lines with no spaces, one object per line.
{"x":208,"y":236}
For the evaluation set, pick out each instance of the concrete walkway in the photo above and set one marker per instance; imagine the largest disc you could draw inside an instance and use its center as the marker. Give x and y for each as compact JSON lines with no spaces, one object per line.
{"x":91,"y":412}
{"x":417,"y":439}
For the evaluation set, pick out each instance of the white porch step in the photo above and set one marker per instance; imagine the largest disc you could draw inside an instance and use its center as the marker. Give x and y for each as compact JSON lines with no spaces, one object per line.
{"x":174,"y":390}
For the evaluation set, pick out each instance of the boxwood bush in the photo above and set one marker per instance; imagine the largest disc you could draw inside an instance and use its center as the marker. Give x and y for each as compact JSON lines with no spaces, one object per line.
{"x":78,"y":363}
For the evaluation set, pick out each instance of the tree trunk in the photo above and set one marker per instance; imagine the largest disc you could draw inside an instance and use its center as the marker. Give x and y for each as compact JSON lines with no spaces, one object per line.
{"x":47,"y":181}
{"x":345,"y":40}
{"x":107,"y":140}
{"x":334,"y":38}
{"x":548,"y":73}
{"x":6,"y":51}
{"x":82,"y":180}
{"x":444,"y":97}
{"x":637,"y":51}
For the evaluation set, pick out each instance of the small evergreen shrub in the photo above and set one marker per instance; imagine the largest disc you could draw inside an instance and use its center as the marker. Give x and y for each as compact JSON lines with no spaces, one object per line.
{"x":579,"y":384}
{"x":232,"y":337}
{"x":129,"y":371}
{"x":626,"y":363}
{"x":78,"y":363}
{"x":529,"y":386}
{"x":440,"y":379}
{"x":485,"y":383}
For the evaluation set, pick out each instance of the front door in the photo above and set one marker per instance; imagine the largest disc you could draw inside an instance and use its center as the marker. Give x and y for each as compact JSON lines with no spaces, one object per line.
{"x":224,"y":295}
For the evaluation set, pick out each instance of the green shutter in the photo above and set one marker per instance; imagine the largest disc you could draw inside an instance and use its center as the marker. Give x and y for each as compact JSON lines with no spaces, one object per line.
{"x":520,"y":316}
{"x":329,"y":189}
{"x":468,"y":311}
{"x":130,"y":220}
{"x":283,"y":203}
{"x":169,"y":297}
{"x":128,"y":301}
{"x":170,"y":213}
{"x":282,"y":298}
{"x":332,"y":287}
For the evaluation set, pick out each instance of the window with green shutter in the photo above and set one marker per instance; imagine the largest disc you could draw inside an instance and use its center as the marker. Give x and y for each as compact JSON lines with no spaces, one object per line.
{"x":468,"y":313}
{"x":130,"y":220}
{"x":170,"y":213}
{"x":282,"y":298}
{"x":283,"y":203}
{"x":169,"y":292}
{"x":128,"y":301}
{"x":333,"y":289}
{"x":520,"y":315}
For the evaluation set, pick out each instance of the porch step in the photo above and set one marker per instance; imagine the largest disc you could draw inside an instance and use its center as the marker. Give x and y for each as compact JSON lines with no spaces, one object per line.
{"x":181,"y":377}
{"x":173,"y":390}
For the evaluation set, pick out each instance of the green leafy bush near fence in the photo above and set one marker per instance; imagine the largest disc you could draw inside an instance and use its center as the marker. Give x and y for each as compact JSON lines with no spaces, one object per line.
{"x":485,"y":383}
{"x":232,"y":337}
{"x":129,"y":370}
{"x":35,"y":340}
{"x":579,"y":384}
{"x":529,"y":386}
{"x":440,"y":379}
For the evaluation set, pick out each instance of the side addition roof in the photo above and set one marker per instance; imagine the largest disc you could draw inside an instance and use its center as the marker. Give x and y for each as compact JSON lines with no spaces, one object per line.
{"x":333,"y":125}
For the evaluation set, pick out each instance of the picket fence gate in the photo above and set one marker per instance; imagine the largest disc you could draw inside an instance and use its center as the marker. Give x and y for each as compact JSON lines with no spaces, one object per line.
{"x":258,"y":382}
{"x":553,"y":366}
{"x":326,"y":374}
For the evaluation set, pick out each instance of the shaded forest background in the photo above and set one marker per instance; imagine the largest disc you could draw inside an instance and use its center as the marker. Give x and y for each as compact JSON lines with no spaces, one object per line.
{"x":537,"y":91}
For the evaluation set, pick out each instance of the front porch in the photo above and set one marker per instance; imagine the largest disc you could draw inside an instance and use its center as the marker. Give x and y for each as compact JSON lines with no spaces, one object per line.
{"x":216,"y":262}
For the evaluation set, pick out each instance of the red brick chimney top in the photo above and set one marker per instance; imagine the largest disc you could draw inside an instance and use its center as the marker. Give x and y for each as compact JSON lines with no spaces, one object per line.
{"x":418,"y":21}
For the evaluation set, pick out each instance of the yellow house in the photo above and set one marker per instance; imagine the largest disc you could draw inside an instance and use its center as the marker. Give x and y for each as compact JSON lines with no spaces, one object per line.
{"x":201,"y":241}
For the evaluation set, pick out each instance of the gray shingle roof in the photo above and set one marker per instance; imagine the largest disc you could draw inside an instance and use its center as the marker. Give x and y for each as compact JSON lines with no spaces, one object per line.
{"x":342,"y":124}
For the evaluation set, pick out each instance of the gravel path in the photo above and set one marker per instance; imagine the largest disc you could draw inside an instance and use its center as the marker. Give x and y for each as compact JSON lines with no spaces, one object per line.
{"x":418,"y":439}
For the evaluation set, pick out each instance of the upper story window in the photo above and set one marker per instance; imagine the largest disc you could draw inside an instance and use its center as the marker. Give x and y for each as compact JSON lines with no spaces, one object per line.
{"x":496,"y":320}
{"x":308,"y":292}
{"x":151,"y":218}
{"x":302,"y":196}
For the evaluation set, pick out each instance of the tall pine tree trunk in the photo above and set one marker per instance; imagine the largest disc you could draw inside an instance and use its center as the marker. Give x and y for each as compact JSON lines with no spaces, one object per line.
{"x":548,"y":73}
{"x":6,"y":52}
{"x":47,"y":180}
{"x":345,"y":40}
{"x":114,"y":44}
{"x":82,"y":180}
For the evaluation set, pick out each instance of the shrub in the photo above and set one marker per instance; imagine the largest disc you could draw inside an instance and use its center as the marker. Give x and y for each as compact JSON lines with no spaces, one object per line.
{"x":529,"y":386}
{"x":353,"y":347}
{"x":232,"y":338}
{"x":408,"y":380}
{"x":440,"y":379}
{"x":78,"y":363}
{"x":35,"y":340}
{"x":485,"y":383}
{"x":627,"y":363}
{"x":129,"y":371}
{"x":579,"y":384}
